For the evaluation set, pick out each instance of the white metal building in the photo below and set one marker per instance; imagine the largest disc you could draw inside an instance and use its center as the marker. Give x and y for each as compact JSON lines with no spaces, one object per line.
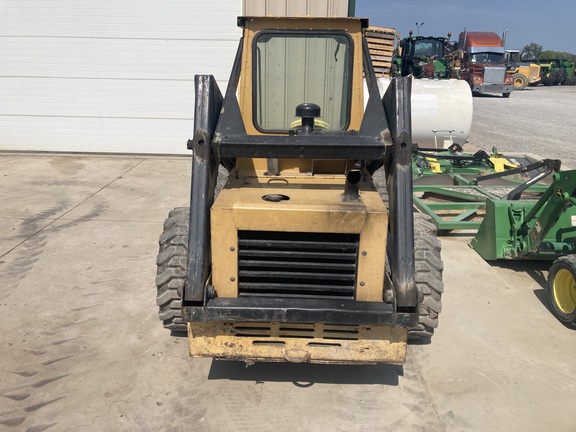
{"x":117,"y":75}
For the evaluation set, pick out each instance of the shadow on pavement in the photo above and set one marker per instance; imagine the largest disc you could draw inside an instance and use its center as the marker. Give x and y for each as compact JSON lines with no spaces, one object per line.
{"x":537,"y":270}
{"x":305,"y":374}
{"x":542,"y":295}
{"x":488,"y":95}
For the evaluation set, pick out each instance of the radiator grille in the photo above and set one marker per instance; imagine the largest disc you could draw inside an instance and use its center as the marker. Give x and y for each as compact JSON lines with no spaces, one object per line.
{"x":298,"y":265}
{"x":534,"y":72}
{"x":494,"y":75}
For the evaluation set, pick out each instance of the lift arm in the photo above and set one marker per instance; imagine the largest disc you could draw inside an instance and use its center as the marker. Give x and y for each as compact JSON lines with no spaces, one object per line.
{"x":555,"y":201}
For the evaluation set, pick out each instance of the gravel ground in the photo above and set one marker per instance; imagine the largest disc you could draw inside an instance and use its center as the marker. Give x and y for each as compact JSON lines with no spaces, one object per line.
{"x":536,"y":120}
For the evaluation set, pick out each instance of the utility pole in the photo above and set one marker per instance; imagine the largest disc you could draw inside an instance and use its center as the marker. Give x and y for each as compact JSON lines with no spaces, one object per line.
{"x":419,"y":25}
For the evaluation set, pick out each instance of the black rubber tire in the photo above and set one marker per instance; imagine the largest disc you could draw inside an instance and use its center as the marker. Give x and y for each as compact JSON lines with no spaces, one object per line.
{"x":506,"y":95}
{"x":423,"y":222}
{"x":220,"y":180}
{"x":172,"y":262}
{"x":172,"y":268}
{"x":428,"y":267}
{"x":379,"y":179}
{"x":428,"y":277}
{"x":562,"y":76}
{"x":520,"y":81}
{"x":562,"y":289}
{"x":571,"y":81}
{"x":554,"y":77}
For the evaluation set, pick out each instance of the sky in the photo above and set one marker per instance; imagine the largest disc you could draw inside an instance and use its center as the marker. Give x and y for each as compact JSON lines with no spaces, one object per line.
{"x":550,"y":23}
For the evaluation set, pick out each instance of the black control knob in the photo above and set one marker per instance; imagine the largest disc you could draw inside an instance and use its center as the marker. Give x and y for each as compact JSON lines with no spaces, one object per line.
{"x":308,"y":112}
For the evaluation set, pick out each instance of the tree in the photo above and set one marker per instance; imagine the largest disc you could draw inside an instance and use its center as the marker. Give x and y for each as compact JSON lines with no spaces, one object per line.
{"x":531,"y":51}
{"x":549,"y":54}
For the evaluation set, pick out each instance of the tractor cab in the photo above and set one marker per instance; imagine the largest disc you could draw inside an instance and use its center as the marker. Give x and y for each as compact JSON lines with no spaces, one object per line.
{"x":424,"y":57}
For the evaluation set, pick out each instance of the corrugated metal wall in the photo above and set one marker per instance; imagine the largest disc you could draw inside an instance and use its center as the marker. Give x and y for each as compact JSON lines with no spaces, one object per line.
{"x":319,"y":8}
{"x":111,"y":75}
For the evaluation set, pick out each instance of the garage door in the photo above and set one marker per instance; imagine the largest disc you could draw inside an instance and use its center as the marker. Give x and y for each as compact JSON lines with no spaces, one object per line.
{"x":109,"y":75}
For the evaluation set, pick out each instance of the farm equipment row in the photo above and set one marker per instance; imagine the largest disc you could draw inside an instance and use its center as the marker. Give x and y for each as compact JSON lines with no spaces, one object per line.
{"x":477,"y":58}
{"x":480,"y":59}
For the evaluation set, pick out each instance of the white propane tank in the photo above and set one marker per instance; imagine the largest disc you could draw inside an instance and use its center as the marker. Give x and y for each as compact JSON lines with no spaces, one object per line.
{"x":441,"y":111}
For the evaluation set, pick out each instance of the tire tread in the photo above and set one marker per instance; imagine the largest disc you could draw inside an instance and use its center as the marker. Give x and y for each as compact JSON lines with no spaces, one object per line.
{"x":428,"y":277}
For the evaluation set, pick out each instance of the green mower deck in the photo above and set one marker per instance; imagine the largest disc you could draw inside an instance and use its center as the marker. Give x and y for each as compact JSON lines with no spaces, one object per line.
{"x":519,"y":208}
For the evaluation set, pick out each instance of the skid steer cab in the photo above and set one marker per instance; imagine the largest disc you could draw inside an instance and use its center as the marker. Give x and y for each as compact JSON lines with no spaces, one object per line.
{"x":287,"y":251}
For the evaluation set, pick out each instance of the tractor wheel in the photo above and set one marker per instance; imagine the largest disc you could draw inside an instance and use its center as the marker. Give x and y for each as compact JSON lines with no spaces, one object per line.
{"x":562,"y":76}
{"x":520,"y":81}
{"x":506,"y":95}
{"x":571,"y":81}
{"x":562,"y":289}
{"x":172,"y":268}
{"x":428,"y":277}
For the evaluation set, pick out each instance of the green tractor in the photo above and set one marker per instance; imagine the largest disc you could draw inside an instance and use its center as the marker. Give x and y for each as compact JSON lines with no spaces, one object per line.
{"x":557,"y":72}
{"x":426,"y":57}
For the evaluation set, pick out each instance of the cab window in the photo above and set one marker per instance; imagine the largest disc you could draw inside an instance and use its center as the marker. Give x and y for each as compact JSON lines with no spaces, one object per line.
{"x":301,"y":67}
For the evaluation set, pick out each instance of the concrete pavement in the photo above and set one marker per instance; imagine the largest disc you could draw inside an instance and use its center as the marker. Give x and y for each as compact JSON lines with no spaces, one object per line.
{"x":83,"y":349}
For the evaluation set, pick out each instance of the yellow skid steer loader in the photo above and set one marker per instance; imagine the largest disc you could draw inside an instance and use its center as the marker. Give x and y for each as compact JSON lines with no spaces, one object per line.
{"x":287,"y":251}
